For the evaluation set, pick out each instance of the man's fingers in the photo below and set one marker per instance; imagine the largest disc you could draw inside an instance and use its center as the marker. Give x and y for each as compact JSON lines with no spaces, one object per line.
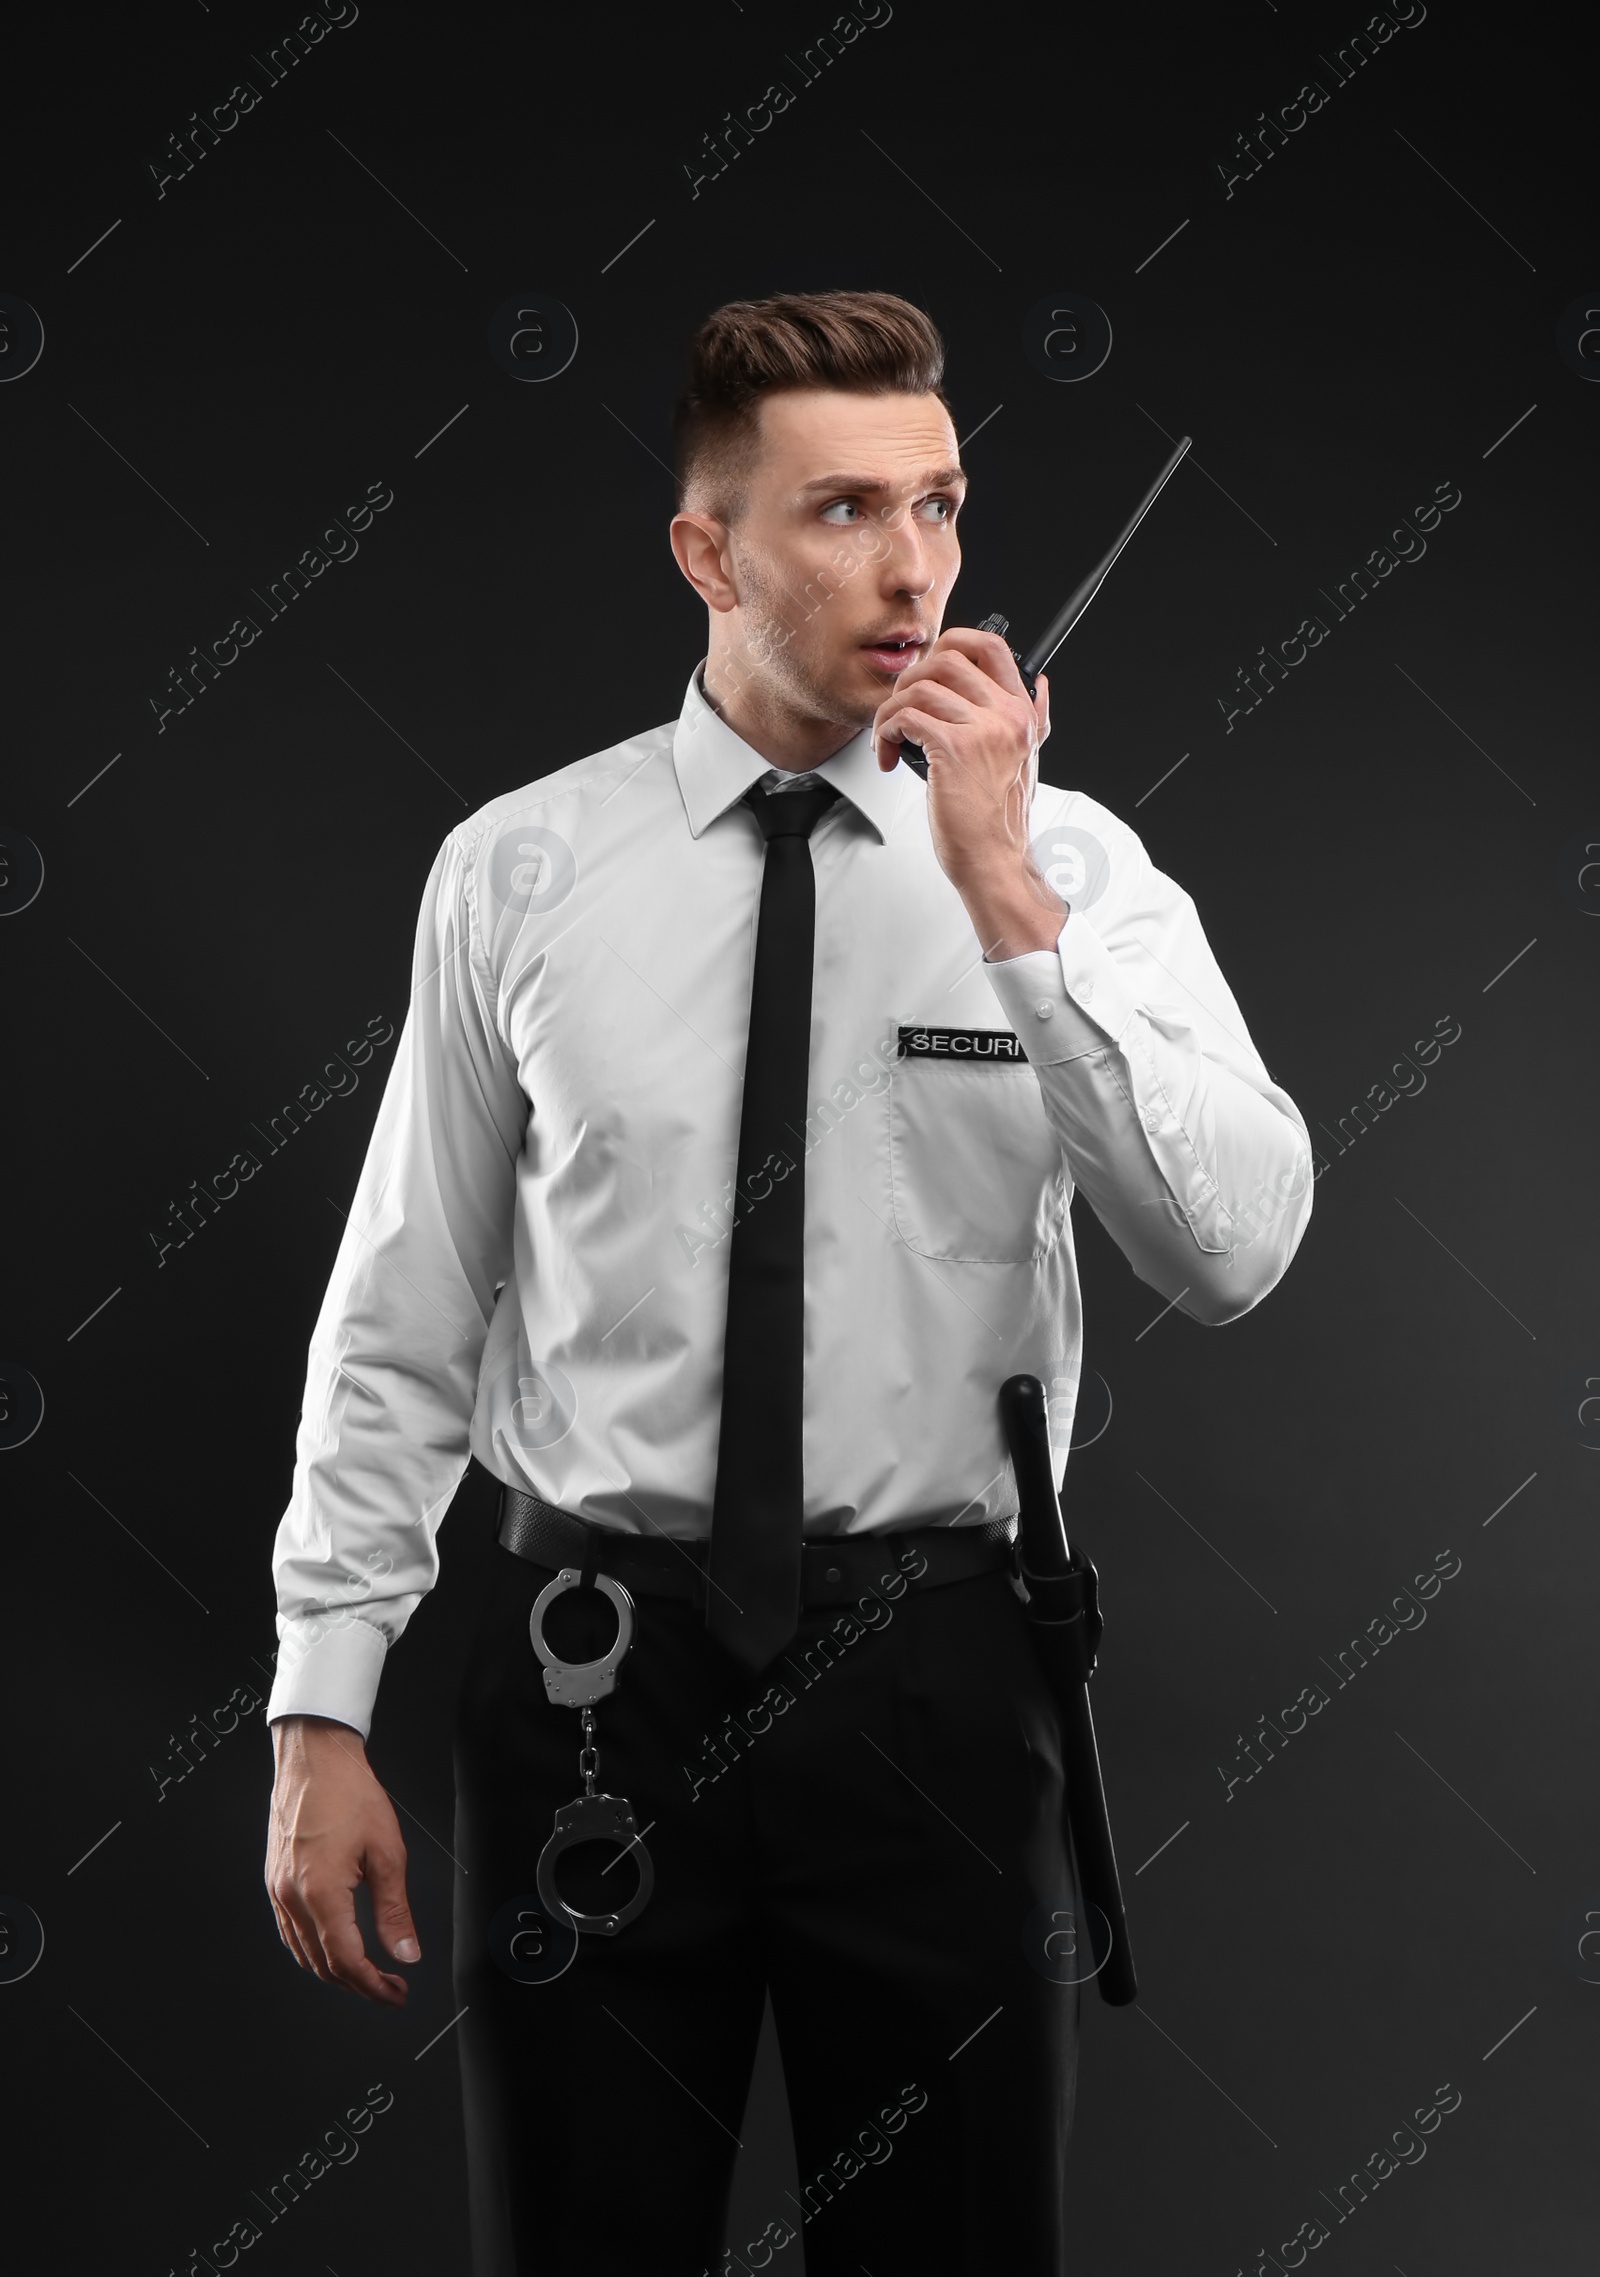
{"x":929,"y":698}
{"x":277,"y":1898}
{"x":348,"y":1964}
{"x":990,"y":655}
{"x":305,"y":1927}
{"x":925,"y":728}
{"x":959,"y":670}
{"x":291,"y":1937}
{"x":325,"y":1922}
{"x":386,"y":1879}
{"x":920,"y":724}
{"x":917,"y":728}
{"x":958,"y":675}
{"x":310,"y":1914}
{"x":950,"y":685}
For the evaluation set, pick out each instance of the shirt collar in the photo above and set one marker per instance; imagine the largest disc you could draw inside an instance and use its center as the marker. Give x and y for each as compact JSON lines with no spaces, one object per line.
{"x":715,"y":768}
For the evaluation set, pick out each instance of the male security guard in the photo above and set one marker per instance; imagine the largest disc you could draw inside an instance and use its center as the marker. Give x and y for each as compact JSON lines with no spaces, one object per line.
{"x":722,"y":1176}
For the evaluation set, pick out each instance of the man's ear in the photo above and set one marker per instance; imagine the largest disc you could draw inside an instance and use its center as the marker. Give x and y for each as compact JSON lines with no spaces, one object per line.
{"x":700,"y":546}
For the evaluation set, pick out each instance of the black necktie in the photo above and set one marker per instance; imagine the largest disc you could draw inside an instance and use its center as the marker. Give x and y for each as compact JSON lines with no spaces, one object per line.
{"x":753,"y":1603}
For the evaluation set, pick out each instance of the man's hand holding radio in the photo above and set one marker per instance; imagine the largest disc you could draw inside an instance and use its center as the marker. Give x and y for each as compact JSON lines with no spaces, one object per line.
{"x":963,"y":700}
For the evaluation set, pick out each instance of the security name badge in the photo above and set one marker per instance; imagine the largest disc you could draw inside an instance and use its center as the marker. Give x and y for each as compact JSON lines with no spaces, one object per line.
{"x":973,"y":1047}
{"x":591,"y":1816}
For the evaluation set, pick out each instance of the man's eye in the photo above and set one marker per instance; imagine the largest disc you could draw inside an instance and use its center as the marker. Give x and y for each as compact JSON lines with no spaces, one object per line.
{"x":845,"y":512}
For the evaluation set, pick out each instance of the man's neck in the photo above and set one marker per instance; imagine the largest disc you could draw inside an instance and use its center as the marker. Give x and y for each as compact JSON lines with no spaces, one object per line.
{"x":791,"y":740}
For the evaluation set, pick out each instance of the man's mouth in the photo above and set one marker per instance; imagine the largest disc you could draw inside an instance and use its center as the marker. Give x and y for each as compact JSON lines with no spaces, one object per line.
{"x":892,"y":652}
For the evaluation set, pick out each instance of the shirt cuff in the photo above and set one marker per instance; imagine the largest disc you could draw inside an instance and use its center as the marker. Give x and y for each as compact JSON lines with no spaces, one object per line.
{"x":1065,"y":1001}
{"x":328,"y":1665}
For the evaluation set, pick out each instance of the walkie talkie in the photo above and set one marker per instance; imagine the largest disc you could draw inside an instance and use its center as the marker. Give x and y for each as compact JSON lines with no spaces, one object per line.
{"x":1032,"y":662}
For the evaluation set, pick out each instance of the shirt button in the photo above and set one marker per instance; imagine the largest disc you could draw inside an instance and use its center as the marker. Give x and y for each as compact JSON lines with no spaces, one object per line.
{"x":1152,"y":1118}
{"x":1086,"y":992}
{"x":833,"y":1574}
{"x":1045,"y":1009}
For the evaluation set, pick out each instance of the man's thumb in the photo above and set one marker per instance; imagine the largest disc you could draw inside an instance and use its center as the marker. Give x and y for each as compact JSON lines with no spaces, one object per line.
{"x":390,"y":1913}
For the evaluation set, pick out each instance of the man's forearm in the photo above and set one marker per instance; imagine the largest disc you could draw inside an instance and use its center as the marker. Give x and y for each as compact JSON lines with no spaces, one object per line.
{"x":1013,"y":911}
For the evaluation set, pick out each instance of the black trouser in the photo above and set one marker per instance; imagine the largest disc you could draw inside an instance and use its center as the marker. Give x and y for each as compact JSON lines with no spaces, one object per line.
{"x":880,"y":1854}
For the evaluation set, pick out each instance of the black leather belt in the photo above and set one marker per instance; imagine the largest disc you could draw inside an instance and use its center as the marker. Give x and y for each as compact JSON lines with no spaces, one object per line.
{"x":835,"y":1569}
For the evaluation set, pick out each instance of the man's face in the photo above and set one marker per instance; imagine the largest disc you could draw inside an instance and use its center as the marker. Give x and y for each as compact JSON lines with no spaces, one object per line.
{"x":847,"y":546}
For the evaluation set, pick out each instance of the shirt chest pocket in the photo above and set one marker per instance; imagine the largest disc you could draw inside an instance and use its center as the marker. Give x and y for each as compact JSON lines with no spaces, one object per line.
{"x":976,"y":1174}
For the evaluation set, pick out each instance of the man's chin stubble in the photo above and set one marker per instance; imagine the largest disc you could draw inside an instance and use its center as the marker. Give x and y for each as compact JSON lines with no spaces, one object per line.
{"x":793,"y":688}
{"x":789,"y":682}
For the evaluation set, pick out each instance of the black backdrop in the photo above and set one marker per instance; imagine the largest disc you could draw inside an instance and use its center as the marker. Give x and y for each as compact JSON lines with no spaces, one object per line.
{"x":1390,"y":846}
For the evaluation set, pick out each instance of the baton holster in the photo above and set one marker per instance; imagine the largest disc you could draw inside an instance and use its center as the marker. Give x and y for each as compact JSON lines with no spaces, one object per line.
{"x":1064,"y":1612}
{"x":1064,"y":1623}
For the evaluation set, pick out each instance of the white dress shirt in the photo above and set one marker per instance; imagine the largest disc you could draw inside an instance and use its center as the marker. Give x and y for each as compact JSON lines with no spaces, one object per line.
{"x":535,"y":1265}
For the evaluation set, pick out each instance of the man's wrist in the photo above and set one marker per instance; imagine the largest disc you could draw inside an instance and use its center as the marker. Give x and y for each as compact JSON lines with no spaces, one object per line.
{"x":306,"y":1734}
{"x":1013,"y":912}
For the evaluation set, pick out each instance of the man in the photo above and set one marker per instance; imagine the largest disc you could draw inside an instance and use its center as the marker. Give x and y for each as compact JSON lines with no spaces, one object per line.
{"x":722,"y":1177}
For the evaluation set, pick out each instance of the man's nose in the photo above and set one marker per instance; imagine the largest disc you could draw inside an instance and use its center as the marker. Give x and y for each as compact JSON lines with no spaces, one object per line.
{"x":907,"y":568}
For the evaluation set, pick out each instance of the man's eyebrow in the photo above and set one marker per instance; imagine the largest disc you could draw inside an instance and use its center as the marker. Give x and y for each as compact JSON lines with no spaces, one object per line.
{"x":868,"y":485}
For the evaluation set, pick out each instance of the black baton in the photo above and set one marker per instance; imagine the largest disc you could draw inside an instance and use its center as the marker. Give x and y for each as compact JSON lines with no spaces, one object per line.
{"x":1064,"y":1622}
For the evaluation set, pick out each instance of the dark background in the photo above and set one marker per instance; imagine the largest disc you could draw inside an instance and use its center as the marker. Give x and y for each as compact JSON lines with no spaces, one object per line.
{"x":1395,"y":838}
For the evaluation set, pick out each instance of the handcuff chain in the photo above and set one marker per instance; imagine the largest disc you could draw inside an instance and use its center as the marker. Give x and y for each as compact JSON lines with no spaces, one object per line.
{"x":592,"y":1816}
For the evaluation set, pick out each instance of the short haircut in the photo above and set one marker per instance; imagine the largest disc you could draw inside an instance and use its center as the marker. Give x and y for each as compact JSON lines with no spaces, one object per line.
{"x":865,"y":343}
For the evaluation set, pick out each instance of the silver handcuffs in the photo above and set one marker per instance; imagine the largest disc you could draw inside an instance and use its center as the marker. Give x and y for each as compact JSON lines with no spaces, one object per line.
{"x":589,"y":1817}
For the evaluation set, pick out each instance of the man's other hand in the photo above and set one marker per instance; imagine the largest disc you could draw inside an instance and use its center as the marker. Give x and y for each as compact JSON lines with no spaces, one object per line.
{"x":331,"y":1825}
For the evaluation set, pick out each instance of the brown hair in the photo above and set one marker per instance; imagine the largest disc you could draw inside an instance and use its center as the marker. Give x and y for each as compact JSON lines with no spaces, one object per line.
{"x":866,"y":343}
